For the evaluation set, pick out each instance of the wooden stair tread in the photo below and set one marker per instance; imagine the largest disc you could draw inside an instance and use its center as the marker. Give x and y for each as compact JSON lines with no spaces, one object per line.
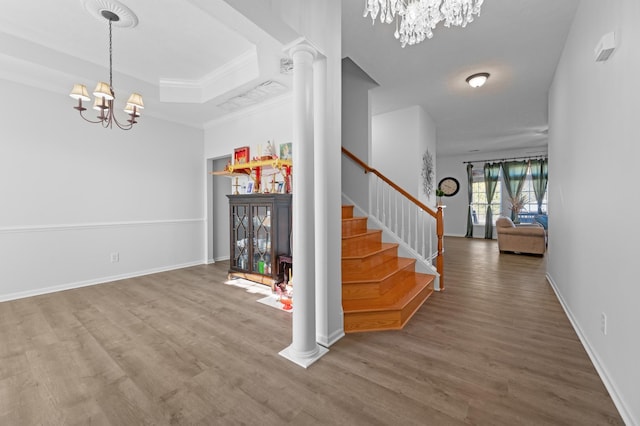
{"x":377,"y":274}
{"x":366,"y":251}
{"x":380,"y":290}
{"x":397,"y":298}
{"x":357,"y":234}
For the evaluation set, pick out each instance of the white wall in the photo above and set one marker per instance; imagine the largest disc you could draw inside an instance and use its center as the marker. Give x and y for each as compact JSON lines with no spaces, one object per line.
{"x":252,"y":127}
{"x":73,"y":193}
{"x":593,"y":163}
{"x":356,"y":130}
{"x":399,"y":140}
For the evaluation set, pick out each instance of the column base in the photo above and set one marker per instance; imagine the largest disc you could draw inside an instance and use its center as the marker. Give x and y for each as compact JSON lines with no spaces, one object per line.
{"x":305,"y":359}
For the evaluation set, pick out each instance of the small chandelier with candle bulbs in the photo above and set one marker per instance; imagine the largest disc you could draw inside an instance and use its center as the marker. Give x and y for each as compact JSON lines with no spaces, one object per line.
{"x":104,"y":94}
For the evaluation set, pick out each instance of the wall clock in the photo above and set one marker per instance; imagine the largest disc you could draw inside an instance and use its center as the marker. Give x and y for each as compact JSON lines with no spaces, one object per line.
{"x":449,"y":185}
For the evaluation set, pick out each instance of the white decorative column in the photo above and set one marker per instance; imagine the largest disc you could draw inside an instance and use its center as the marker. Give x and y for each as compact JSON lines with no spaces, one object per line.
{"x":303,"y":350}
{"x":321,"y":191}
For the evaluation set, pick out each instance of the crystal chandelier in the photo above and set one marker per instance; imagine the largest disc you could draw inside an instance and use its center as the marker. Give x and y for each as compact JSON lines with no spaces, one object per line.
{"x":418,"y":18}
{"x":104,"y":94}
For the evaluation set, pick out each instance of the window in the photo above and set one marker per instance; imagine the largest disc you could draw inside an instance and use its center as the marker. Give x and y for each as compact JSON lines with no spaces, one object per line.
{"x":479,"y":203}
{"x":532,"y":205}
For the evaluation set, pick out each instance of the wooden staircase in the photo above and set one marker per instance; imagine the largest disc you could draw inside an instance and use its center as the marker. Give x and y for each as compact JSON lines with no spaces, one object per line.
{"x":380,"y":291}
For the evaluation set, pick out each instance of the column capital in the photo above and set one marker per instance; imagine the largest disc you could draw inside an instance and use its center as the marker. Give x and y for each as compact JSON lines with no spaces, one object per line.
{"x":301,"y":45}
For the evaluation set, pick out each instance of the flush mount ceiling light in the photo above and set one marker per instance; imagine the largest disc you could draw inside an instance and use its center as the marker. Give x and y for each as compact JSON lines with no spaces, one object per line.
{"x":418,"y":18}
{"x":104,"y":94}
{"x":478,"y":80}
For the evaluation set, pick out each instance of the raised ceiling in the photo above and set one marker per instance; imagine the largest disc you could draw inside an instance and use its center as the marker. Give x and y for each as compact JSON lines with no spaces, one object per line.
{"x":185,"y":57}
{"x":188,"y":56}
{"x":518,"y":41}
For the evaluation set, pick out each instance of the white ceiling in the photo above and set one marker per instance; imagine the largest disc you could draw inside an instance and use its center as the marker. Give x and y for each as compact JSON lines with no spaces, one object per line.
{"x":188,"y":56}
{"x":518,"y":41}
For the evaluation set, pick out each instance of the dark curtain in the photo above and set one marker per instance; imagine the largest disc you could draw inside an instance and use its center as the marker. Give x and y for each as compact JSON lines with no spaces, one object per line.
{"x":539,"y":177}
{"x":514,"y":175}
{"x":469,"y":233}
{"x":491,"y":174}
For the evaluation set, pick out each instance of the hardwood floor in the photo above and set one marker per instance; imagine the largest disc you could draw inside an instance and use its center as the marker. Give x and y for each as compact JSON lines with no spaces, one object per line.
{"x":181,"y":347}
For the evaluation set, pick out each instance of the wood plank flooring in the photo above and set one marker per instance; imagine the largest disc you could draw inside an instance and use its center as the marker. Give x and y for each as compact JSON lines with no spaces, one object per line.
{"x":183,"y":348}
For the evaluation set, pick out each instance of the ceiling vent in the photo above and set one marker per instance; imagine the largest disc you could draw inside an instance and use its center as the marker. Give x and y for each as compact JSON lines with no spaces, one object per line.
{"x":260,"y":93}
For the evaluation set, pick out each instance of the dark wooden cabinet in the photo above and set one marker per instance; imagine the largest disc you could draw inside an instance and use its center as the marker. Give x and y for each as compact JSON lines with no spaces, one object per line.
{"x":260,"y":231}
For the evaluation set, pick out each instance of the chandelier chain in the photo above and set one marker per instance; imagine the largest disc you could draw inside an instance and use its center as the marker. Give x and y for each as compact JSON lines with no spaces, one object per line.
{"x":110,"y":58}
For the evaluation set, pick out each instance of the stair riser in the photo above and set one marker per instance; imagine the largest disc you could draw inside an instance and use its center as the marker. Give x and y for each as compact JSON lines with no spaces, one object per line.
{"x":354,"y":226}
{"x":361,"y":241}
{"x":415,"y":304}
{"x":364,"y":291}
{"x":347,"y":212}
{"x":373,"y":289}
{"x":372,"y":321}
{"x":373,"y":261}
{"x":385,"y":320}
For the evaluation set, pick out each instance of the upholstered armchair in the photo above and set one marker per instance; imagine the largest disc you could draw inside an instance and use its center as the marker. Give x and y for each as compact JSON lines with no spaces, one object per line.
{"x":530,"y":239}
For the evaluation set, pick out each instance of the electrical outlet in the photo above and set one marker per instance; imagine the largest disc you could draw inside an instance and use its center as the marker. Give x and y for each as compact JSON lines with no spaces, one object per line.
{"x":115,"y":257}
{"x":603,"y":323}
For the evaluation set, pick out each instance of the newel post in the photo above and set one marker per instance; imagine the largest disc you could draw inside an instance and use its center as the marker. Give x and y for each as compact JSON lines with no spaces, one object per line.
{"x":440,"y":232}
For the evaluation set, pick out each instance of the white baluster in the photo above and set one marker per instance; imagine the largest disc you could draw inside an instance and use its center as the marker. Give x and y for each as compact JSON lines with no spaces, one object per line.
{"x":377,"y":198}
{"x":370,"y":188}
{"x":424,"y":233}
{"x":415,"y":246}
{"x":431,"y":233}
{"x":386,"y":206}
{"x":402,"y":220}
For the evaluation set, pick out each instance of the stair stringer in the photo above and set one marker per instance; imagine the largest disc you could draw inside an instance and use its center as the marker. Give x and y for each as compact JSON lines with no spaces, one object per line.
{"x":388,"y":236}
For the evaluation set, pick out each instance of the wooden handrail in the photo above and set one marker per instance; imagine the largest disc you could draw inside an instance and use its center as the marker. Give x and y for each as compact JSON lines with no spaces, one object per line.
{"x":438,"y":215}
{"x":408,"y":196}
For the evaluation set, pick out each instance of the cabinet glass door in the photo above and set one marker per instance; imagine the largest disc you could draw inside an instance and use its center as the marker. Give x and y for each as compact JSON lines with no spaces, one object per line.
{"x":261,"y":239}
{"x":240,"y":219}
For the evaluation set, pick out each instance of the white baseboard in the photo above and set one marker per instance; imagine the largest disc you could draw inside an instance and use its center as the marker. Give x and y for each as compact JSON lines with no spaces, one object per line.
{"x":600,"y":368}
{"x":327,"y":341}
{"x":102,"y":280}
{"x":454,"y":235}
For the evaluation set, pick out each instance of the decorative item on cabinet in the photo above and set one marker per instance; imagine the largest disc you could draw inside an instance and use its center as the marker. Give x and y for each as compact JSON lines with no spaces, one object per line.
{"x":240,"y":156}
{"x":256,"y":170}
{"x":285,"y":151}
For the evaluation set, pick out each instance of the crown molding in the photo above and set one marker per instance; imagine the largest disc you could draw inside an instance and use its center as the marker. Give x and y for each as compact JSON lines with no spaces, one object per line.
{"x":235,"y":73}
{"x":251,"y":110}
